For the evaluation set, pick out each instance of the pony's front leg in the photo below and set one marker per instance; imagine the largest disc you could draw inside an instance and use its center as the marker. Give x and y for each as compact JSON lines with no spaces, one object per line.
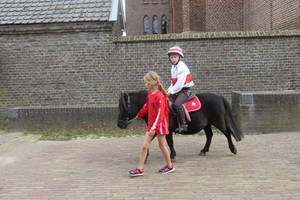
{"x":170,"y":142}
{"x":209,"y":135}
{"x":146,"y":159}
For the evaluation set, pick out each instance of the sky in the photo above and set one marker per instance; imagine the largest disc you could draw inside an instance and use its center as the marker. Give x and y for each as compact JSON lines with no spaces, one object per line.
{"x":124,"y":4}
{"x":124,"y":34}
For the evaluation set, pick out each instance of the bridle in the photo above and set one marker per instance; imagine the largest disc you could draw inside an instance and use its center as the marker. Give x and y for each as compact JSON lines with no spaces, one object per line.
{"x":127,"y":120}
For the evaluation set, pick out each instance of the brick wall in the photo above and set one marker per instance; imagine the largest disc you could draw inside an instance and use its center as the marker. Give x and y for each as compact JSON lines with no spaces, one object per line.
{"x":224,"y":15}
{"x":258,"y":15}
{"x":45,"y":118}
{"x":197,"y":13}
{"x":186,"y":15}
{"x":212,"y":15}
{"x":234,"y":15}
{"x":176,"y":16}
{"x":56,"y":68}
{"x":286,"y":14}
{"x":272,"y":15}
{"x":267,"y":112}
{"x":91,"y":68}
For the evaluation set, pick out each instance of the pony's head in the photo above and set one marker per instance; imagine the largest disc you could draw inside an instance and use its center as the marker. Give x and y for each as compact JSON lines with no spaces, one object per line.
{"x":129,"y":105}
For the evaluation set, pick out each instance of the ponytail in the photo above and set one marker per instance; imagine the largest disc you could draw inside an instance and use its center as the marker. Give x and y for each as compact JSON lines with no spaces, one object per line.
{"x":162,"y":89}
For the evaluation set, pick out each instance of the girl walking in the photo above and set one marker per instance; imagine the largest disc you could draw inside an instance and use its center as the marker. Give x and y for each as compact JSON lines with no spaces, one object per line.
{"x":158,"y":123}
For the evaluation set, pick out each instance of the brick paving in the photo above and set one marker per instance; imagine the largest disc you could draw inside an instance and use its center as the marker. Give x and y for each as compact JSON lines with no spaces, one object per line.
{"x":266,"y":167}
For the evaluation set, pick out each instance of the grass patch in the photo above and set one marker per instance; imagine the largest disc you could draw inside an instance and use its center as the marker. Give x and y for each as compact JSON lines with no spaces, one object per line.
{"x":216,"y":131}
{"x":63,"y":135}
{"x":4,"y":125}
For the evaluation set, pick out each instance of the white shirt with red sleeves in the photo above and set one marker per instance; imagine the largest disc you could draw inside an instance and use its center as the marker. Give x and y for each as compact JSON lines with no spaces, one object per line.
{"x":158,"y":114}
{"x":181,"y":78}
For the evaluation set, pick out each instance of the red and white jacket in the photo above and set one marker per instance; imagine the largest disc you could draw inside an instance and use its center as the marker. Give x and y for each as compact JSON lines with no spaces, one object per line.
{"x":181,"y":78}
{"x":158,"y":114}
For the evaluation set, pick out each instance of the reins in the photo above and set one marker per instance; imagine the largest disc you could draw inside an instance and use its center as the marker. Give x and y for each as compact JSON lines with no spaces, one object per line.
{"x":128,"y":107}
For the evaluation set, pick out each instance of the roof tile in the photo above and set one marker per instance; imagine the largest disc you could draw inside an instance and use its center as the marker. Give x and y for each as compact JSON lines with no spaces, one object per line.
{"x":45,"y":11}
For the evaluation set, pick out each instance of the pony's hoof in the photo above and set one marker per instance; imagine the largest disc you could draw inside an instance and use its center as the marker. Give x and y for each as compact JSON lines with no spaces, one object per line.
{"x":234,"y":151}
{"x":202,"y":153}
{"x":172,"y":158}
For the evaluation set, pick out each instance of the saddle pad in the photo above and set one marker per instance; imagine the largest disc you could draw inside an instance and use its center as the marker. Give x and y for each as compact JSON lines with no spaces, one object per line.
{"x":193,"y":105}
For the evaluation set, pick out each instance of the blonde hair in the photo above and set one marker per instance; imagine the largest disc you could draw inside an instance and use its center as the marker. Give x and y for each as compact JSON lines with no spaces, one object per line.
{"x":153,"y":79}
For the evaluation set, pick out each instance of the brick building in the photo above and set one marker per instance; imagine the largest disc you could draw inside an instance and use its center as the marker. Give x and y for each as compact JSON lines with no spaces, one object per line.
{"x":146,"y":17}
{"x":272,"y":14}
{"x":58,"y":28}
{"x":212,"y":15}
{"x":206,"y":15}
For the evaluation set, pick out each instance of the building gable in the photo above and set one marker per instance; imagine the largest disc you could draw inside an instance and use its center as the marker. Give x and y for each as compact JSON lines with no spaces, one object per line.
{"x":46,"y":15}
{"x":46,"y":11}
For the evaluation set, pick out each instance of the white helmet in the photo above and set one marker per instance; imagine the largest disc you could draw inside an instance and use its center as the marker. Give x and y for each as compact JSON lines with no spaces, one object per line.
{"x":175,"y":49}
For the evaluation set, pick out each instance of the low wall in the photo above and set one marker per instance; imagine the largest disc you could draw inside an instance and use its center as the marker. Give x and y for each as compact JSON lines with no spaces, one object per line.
{"x":91,"y":68}
{"x":43,"y":118}
{"x":266,"y":112}
{"x":255,"y":112}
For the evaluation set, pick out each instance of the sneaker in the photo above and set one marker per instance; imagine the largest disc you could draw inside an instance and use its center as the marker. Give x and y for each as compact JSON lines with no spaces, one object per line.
{"x":167,"y":169}
{"x":163,"y":169}
{"x":136,"y":172}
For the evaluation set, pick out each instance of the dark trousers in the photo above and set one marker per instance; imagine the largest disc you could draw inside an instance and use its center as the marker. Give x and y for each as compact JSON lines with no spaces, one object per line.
{"x":181,"y":98}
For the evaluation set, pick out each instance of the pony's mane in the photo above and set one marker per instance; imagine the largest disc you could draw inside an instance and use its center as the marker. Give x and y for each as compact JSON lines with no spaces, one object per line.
{"x":138,"y":93}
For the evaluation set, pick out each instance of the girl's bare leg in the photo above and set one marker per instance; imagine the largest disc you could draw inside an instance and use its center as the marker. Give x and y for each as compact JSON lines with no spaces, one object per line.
{"x":164,"y":149}
{"x":145,"y":147}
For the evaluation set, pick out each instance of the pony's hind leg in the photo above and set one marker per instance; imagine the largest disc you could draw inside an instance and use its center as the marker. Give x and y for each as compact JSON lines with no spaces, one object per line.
{"x":209,"y":135}
{"x":230,"y":144}
{"x":170,"y":142}
{"x":228,"y":136}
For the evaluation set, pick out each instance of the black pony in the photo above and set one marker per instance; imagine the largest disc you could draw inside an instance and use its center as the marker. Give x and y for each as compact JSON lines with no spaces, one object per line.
{"x":215,"y":111}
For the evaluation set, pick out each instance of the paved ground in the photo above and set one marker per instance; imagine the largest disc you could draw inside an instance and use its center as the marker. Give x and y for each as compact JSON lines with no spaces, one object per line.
{"x":266,"y":167}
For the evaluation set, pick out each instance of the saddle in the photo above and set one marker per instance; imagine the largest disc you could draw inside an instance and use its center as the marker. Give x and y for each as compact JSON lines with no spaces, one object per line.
{"x":193,"y":104}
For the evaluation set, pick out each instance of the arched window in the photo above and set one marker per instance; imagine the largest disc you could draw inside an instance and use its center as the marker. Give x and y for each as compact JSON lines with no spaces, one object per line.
{"x":164,"y":24}
{"x":155,"y":24}
{"x":146,"y":25}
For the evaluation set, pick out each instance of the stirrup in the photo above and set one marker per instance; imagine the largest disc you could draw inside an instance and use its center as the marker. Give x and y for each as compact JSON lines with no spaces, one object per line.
{"x":182,"y":128}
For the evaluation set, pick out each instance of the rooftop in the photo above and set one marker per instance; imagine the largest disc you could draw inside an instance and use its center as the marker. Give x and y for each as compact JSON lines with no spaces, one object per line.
{"x":55,"y":11}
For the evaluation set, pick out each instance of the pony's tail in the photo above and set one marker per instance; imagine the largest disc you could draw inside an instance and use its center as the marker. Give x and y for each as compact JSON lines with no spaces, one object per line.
{"x":230,"y":122}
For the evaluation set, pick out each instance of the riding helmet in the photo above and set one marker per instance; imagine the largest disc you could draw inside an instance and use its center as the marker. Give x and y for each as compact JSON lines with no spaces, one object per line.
{"x":175,"y":49}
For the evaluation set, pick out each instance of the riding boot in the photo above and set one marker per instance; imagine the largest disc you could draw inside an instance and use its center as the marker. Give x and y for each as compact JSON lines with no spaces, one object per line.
{"x":181,"y":121}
